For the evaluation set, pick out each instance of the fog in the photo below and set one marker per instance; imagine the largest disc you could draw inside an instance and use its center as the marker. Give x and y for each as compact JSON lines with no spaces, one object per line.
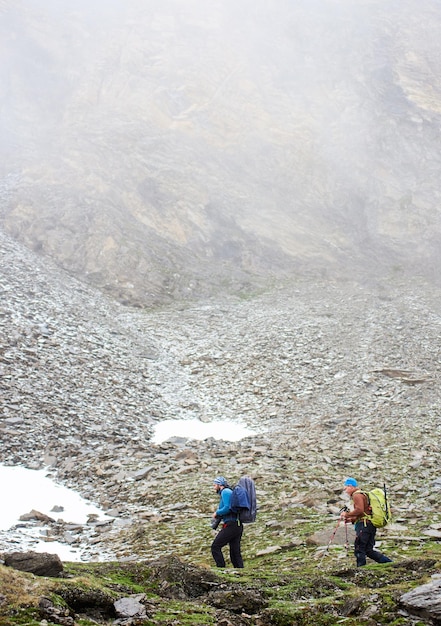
{"x":311,"y":126}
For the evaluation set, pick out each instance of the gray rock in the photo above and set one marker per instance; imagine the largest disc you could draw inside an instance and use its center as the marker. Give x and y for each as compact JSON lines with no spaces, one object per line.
{"x":433,"y":533}
{"x":343,"y":534}
{"x":36,"y":515}
{"x":53,"y":614}
{"x":142,"y":473}
{"x":130,"y":607}
{"x":424,"y":601}
{"x":269,"y":550}
{"x":40,"y":564}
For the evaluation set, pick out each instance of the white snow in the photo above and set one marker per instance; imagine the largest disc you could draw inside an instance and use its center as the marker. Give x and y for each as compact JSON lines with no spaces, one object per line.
{"x":23,"y":490}
{"x":195,"y":429}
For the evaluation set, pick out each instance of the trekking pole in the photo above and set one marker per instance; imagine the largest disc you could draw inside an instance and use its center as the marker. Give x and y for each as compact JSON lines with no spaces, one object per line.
{"x":347,"y":538}
{"x":331,"y":538}
{"x":387,"y":513}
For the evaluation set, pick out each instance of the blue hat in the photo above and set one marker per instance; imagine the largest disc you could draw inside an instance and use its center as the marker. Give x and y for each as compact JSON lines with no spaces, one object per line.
{"x":350,"y":482}
{"x":220,"y":480}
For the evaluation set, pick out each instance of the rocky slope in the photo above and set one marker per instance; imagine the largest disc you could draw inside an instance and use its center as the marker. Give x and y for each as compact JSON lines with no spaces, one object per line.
{"x":337,"y":378}
{"x":170,"y":151}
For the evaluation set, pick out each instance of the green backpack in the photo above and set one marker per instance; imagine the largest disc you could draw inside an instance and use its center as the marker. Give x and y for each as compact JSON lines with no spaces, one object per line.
{"x":379,"y":505}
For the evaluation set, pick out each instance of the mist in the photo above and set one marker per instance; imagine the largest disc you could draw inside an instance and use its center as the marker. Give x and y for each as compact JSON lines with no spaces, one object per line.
{"x":159,"y":150}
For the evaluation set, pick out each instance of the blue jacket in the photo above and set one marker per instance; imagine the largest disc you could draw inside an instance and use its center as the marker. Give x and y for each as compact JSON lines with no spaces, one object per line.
{"x":224,"y":510}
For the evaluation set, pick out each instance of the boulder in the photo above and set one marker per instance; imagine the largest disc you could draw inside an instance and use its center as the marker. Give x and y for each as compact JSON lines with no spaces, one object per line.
{"x":37,"y":516}
{"x":180,"y":580}
{"x":344,"y":534}
{"x":424,"y":601}
{"x":38,"y":563}
{"x":130,"y":607}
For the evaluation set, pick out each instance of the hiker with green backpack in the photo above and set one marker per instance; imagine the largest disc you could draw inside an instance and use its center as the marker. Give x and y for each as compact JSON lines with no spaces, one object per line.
{"x":370,"y":511}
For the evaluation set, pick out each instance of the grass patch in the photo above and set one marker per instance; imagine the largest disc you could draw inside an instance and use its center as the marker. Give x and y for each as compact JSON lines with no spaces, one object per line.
{"x":183,"y":613}
{"x":303,"y":592}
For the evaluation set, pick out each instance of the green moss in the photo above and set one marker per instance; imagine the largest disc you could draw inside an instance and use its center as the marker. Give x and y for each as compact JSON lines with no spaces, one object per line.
{"x":113,"y":576}
{"x":183,"y":613}
{"x":28,"y":616}
{"x":286,"y":614}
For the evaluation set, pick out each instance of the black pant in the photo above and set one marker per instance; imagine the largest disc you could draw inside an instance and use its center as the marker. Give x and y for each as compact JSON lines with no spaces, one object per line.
{"x":231,"y":533}
{"x":364,"y":544}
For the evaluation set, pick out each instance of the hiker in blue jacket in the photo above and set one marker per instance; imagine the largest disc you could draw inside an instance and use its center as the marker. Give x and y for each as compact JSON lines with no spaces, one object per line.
{"x":231,"y":528}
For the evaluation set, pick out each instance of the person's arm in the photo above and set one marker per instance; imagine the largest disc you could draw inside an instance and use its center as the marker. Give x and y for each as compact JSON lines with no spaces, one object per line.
{"x":224,"y":505}
{"x":359,"y":501}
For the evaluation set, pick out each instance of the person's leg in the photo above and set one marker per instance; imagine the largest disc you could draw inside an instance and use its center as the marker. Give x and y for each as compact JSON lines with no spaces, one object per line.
{"x":379,"y":557}
{"x":361,"y":540}
{"x":375,"y":555}
{"x":221,"y":540}
{"x":235,"y":553}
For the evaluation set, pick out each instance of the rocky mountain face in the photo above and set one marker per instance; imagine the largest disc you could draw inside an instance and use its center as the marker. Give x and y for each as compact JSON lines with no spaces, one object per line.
{"x":336,"y":379}
{"x":173,"y":150}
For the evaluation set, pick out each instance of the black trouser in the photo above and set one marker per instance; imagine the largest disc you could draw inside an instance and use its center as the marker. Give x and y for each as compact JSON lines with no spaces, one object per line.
{"x":364,"y":544}
{"x":231,"y":533}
